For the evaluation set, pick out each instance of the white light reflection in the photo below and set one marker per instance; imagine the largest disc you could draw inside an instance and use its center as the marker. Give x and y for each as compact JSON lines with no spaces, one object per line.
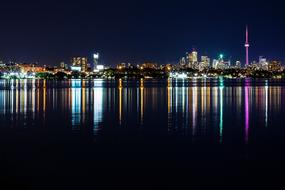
{"x":76,"y":103}
{"x":194,"y":110}
{"x":266,"y":103}
{"x":142,"y":101}
{"x":2,"y":101}
{"x":183,"y":97}
{"x":98,"y":106}
{"x":33,"y":99}
{"x":184,"y":106}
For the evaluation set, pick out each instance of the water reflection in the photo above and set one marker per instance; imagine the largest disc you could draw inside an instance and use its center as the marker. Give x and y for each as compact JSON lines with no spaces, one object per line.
{"x":266,"y":104}
{"x":246,"y":114}
{"x":141,"y":101}
{"x":2,"y":102}
{"x":44,"y":97}
{"x":221,"y":113}
{"x":192,"y":108}
{"x":81,"y":99}
{"x":169,"y":103}
{"x":120,"y":101}
{"x":98,"y":106}
{"x":76,"y":103}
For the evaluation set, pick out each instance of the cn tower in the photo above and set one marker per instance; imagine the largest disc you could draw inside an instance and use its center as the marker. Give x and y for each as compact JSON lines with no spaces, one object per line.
{"x":246,"y":47}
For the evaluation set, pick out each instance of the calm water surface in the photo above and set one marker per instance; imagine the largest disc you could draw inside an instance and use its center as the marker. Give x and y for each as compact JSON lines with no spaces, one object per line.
{"x":208,"y":132}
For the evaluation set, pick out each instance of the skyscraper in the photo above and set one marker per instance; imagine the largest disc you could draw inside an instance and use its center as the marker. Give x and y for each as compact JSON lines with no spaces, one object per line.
{"x":238,"y":64}
{"x":192,"y":59}
{"x":263,"y":64}
{"x":246,"y":47}
{"x":95,"y":60}
{"x":205,"y":63}
{"x":80,"y":62}
{"x":194,"y":56}
{"x":182,"y":62}
{"x":205,"y":59}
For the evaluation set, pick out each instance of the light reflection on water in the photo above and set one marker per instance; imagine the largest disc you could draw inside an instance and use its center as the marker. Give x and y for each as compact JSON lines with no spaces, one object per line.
{"x":98,"y":107}
{"x":192,"y":108}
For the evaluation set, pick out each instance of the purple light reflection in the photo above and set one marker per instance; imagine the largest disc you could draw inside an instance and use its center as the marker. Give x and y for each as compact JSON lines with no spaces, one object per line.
{"x":246,"y":114}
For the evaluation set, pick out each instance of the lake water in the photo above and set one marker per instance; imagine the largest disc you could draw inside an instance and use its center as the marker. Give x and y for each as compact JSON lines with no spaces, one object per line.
{"x":196,"y":133}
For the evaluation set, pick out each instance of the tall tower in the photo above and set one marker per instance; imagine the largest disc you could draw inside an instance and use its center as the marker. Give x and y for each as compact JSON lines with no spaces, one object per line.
{"x":95,"y":60}
{"x":246,"y":47}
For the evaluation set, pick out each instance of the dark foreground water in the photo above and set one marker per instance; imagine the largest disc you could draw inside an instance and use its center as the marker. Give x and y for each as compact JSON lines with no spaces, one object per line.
{"x":168,"y":134}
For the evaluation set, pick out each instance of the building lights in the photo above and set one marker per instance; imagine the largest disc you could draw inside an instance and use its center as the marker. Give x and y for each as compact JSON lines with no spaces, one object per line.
{"x":178,"y":75}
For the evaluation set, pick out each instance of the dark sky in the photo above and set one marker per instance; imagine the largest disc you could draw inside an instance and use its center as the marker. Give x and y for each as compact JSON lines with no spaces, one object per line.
{"x":136,"y":31}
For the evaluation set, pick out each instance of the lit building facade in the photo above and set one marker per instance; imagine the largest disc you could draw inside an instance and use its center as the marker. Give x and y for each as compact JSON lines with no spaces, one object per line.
{"x":149,"y":66}
{"x":26,"y":68}
{"x":182,"y":62}
{"x":274,"y":66}
{"x":80,"y":62}
{"x":263,"y":63}
{"x":205,"y":63}
{"x":96,"y":57}
{"x":192,"y":59}
{"x":215,"y":63}
{"x":2,"y":64}
{"x":63,"y":66}
{"x":238,"y":64}
{"x":124,"y":65}
{"x":220,"y":63}
{"x":194,"y":56}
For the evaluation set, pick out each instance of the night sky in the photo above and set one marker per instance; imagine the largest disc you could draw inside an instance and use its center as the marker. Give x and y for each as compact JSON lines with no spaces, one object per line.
{"x":136,"y":31}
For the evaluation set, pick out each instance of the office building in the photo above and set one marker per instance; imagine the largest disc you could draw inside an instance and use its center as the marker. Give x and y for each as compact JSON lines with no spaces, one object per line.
{"x":274,"y":66}
{"x":192,"y":59}
{"x":238,"y":64}
{"x":96,"y":57}
{"x":205,"y":63}
{"x":263,"y":64}
{"x":79,"y":64}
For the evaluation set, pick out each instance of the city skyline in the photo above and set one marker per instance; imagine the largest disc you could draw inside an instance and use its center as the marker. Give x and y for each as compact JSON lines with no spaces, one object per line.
{"x":137,"y":32}
{"x":198,"y":57}
{"x":142,"y":94}
{"x":246,"y":61}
